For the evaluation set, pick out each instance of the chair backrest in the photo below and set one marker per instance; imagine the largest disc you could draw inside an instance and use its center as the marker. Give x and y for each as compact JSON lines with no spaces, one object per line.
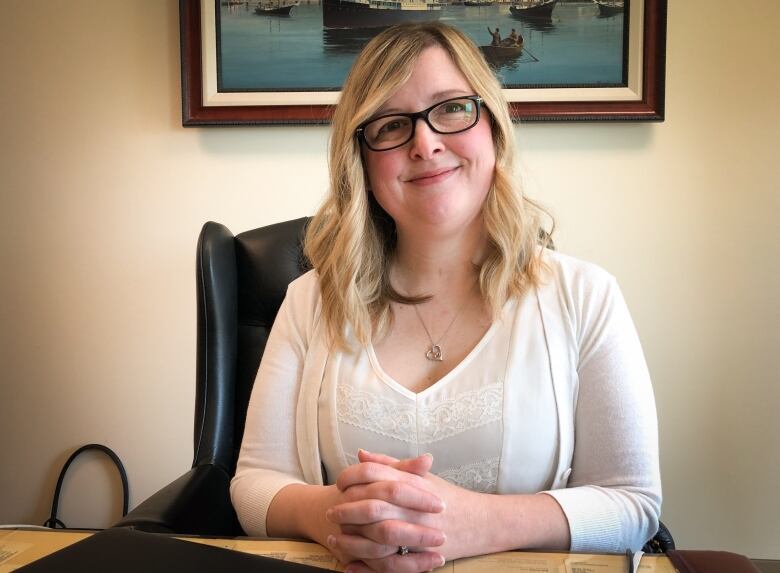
{"x":241,"y":282}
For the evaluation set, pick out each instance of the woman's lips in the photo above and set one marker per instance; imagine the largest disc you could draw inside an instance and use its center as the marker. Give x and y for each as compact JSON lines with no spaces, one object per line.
{"x":432,"y":177}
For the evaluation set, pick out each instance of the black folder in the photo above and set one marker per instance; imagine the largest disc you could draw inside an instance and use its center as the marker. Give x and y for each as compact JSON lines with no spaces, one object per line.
{"x":124,"y":550}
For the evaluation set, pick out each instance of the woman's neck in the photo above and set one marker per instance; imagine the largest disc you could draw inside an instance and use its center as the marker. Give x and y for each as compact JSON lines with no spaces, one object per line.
{"x":429,"y":266}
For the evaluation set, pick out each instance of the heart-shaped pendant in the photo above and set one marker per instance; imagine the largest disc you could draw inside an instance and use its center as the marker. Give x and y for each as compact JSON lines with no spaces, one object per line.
{"x":434,"y":353}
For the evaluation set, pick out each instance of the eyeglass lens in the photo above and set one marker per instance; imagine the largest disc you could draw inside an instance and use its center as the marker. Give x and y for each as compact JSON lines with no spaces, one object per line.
{"x":450,"y":116}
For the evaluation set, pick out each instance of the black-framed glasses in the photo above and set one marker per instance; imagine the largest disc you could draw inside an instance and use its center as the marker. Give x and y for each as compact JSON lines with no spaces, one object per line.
{"x":394,"y":130}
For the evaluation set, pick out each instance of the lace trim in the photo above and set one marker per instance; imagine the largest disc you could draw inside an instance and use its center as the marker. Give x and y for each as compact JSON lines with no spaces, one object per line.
{"x":481,"y":476}
{"x":367,"y":411}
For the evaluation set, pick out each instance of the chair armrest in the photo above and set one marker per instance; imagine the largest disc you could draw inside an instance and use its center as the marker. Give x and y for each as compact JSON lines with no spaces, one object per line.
{"x":197,"y":503}
{"x":661,"y":542}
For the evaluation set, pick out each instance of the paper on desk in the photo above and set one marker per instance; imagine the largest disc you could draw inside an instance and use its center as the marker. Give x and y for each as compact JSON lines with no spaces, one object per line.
{"x":8,"y":550}
{"x":519,"y":562}
{"x":636,"y":561}
{"x":513,"y":562}
{"x":294,"y":551}
{"x":20,"y":547}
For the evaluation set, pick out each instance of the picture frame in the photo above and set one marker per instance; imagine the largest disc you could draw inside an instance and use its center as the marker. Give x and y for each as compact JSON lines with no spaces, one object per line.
{"x":640,"y":98}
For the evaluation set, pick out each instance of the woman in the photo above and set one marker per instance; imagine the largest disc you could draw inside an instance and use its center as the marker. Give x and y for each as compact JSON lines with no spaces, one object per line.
{"x":437,"y":333}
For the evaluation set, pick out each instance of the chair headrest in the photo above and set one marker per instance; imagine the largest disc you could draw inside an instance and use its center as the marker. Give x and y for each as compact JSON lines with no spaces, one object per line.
{"x":268,"y":259}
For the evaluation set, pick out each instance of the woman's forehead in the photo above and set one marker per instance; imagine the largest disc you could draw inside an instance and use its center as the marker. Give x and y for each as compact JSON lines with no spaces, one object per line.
{"x":434,"y":78}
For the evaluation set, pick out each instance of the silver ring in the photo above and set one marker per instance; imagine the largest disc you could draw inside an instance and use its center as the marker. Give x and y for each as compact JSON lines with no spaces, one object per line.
{"x":402,"y":550}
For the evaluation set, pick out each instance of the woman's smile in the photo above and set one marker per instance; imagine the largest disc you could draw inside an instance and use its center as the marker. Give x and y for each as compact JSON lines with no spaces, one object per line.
{"x":433,"y":176}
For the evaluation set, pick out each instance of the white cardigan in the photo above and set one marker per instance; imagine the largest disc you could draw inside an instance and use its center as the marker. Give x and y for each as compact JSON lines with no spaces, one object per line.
{"x":608,"y":483}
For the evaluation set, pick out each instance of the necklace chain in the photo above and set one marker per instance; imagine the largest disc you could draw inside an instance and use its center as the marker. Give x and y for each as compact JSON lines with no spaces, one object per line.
{"x":435,"y":352}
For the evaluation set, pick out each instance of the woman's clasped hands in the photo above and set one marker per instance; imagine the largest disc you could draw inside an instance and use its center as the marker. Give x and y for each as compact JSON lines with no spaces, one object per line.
{"x":387,"y":504}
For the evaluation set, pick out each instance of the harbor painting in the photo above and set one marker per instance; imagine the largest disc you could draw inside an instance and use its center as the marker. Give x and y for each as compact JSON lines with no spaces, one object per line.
{"x":271,"y":48}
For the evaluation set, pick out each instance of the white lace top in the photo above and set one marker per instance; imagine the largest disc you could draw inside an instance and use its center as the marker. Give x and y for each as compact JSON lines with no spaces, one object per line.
{"x":459,"y":419}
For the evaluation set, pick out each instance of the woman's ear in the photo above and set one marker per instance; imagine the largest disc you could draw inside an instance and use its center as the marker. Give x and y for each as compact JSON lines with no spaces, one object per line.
{"x":366,"y":179}
{"x":490,"y":117}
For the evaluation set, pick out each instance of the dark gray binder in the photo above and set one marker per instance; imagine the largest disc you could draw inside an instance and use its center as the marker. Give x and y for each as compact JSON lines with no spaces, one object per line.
{"x":124,"y":550}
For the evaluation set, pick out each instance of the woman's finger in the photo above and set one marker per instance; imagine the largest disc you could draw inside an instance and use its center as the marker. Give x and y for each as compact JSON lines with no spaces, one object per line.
{"x":367,"y":511}
{"x":359,"y":546}
{"x":420,"y":465}
{"x":363,"y":512}
{"x":398,"y":493}
{"x":370,"y":472}
{"x":397,"y":533}
{"x":366,"y":456}
{"x":358,"y":567}
{"x":409,"y":563}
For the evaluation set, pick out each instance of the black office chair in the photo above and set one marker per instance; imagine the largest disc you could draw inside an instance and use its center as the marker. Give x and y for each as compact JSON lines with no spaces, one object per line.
{"x":241,"y":282}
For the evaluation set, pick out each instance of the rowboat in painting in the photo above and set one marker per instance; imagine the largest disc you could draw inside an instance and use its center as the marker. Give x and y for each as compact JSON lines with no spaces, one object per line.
{"x":533,"y":9}
{"x":507,"y":51}
{"x":377,"y":13}
{"x":609,"y":7}
{"x":499,"y":56}
{"x":500,"y":52}
{"x":276,"y":7}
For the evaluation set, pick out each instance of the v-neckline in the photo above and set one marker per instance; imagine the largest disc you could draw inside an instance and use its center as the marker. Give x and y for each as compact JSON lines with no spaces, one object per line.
{"x":401,"y":389}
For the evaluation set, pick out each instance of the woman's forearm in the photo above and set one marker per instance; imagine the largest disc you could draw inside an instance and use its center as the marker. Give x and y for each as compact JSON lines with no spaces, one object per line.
{"x":298,"y":511}
{"x":533,"y":521}
{"x":490,"y":523}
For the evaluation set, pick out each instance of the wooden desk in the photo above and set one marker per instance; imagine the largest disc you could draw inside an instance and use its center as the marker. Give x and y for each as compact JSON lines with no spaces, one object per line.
{"x":20,"y":547}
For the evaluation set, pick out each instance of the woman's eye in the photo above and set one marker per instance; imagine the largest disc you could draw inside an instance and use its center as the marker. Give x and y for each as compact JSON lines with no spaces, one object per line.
{"x":455,"y":107}
{"x":391,"y":128}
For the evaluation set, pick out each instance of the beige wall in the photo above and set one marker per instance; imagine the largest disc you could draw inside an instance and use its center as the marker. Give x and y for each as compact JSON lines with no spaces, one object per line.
{"x":103,"y":194}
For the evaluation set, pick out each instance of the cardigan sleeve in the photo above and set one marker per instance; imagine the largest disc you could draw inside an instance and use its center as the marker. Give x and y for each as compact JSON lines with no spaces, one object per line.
{"x":613,"y":497}
{"x":268,"y":460}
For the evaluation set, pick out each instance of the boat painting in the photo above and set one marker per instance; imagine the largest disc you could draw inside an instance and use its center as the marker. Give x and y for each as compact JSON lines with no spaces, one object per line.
{"x":256,"y":70}
{"x":377,"y":13}
{"x":313,"y":49}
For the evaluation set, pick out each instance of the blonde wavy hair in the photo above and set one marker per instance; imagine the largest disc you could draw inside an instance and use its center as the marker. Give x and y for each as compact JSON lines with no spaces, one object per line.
{"x":351,"y":239}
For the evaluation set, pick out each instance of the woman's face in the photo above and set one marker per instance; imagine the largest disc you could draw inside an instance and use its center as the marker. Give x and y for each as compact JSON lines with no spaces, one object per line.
{"x":435,"y":184}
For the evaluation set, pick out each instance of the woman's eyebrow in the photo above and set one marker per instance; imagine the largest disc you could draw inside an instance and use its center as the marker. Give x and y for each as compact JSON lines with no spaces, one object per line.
{"x":434,"y":99}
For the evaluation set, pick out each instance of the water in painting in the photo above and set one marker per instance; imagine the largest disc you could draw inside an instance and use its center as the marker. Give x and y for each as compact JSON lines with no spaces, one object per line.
{"x":577,"y":43}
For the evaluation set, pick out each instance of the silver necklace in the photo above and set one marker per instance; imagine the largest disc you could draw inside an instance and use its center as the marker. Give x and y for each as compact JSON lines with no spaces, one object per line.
{"x":435,"y":352}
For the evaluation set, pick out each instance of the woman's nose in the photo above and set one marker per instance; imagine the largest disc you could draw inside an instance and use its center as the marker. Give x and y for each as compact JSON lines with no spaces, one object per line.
{"x":425,"y":142}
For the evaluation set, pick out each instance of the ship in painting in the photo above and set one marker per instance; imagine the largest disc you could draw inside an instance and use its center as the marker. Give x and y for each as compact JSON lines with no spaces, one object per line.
{"x":609,"y":7}
{"x":533,"y":9}
{"x":377,"y":13}
{"x":478,"y":3}
{"x":275,"y":7}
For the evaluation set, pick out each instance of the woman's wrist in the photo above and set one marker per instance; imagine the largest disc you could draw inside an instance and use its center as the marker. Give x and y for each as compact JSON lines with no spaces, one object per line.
{"x":298,"y":511}
{"x":491,"y":523}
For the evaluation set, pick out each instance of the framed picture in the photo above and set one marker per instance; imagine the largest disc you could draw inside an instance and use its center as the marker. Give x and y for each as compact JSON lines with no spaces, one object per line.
{"x":257,"y":62}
